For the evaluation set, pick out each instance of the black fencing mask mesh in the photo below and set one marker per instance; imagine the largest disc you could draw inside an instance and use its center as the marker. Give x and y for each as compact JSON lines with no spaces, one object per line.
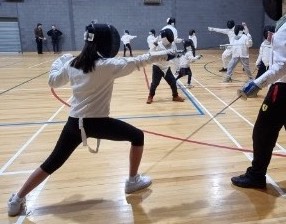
{"x":230,"y":24}
{"x":168,"y":34}
{"x":106,"y":38}
{"x":266,"y":29}
{"x":273,"y":8}
{"x":238,"y":28}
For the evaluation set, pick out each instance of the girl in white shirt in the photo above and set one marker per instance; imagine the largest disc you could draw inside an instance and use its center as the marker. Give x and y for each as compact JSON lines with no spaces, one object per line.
{"x":91,"y":75}
{"x":185,"y":60}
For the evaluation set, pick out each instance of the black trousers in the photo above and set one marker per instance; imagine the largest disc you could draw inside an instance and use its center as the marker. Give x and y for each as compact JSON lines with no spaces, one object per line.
{"x":55,"y":44}
{"x":39,"y":45}
{"x":125,"y":46}
{"x":157,"y":75}
{"x":102,"y":128}
{"x":270,"y":120}
{"x":185,"y":71}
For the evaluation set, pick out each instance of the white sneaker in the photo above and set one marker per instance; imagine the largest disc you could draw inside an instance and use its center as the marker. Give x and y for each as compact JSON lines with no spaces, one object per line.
{"x":190,"y":86}
{"x":16,"y":205}
{"x":139,"y":183}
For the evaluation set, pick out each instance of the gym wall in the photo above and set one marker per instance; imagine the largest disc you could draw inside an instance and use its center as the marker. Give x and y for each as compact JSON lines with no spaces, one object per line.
{"x":71,"y":17}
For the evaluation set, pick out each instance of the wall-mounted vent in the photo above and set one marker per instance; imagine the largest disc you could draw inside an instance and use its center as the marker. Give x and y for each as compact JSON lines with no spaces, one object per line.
{"x":13,"y":0}
{"x":152,"y":2}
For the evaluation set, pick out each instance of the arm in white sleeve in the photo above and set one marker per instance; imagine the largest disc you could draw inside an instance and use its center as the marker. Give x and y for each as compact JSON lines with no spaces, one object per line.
{"x":58,"y":74}
{"x":218,"y":30}
{"x":276,"y":72}
{"x":178,"y":40}
{"x":277,"y":69}
{"x":246,"y":30}
{"x":249,"y":40}
{"x":259,"y":56}
{"x":125,"y":66}
{"x":191,"y":58}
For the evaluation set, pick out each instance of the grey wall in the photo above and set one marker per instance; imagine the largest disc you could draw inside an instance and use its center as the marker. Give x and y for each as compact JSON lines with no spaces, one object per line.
{"x":71,"y":17}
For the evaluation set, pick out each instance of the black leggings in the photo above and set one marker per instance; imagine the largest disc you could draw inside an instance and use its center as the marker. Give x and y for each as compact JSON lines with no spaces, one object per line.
{"x":101,"y":128}
{"x":185,"y":71}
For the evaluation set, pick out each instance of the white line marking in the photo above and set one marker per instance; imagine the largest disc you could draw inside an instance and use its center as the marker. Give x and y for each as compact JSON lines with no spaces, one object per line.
{"x":28,"y":142}
{"x":16,"y":172}
{"x":41,"y":63}
{"x":35,"y":193}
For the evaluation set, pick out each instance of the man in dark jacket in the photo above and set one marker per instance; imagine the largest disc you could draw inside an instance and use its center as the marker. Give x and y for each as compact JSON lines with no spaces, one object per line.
{"x":39,"y":37}
{"x":54,"y":33}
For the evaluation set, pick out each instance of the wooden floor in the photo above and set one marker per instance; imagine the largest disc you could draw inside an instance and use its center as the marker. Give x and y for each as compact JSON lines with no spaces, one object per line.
{"x":190,"y":159}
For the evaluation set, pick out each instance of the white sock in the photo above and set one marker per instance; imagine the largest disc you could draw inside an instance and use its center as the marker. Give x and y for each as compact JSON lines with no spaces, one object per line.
{"x":132,"y":179}
{"x":16,"y":197}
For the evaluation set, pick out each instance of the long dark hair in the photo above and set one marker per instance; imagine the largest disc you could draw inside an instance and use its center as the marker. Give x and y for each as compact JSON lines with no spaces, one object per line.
{"x":86,"y":59}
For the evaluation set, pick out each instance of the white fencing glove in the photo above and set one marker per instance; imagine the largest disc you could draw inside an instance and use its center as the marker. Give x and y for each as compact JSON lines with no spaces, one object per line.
{"x":249,"y":90}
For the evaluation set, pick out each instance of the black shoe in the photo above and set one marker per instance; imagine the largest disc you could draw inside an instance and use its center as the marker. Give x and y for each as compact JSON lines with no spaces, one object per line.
{"x":222,"y":70}
{"x":246,"y":181}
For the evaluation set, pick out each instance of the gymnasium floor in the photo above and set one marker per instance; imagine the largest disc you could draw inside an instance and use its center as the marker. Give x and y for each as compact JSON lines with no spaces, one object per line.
{"x":189,"y":157}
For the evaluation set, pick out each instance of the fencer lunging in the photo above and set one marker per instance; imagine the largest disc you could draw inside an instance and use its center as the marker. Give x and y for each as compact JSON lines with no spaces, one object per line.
{"x":91,"y":75}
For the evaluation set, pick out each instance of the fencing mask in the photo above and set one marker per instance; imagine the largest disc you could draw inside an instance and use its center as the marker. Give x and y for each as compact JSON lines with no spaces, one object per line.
{"x":106,"y":38}
{"x":230,"y":24}
{"x":152,"y":31}
{"x":167,"y":34}
{"x":266,"y":29}
{"x":188,"y":43}
{"x":171,"y":21}
{"x":238,"y":29}
{"x":273,"y":8}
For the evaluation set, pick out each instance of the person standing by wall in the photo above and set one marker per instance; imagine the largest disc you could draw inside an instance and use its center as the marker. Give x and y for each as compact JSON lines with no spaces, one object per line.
{"x":39,"y":37}
{"x":55,"y":34}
